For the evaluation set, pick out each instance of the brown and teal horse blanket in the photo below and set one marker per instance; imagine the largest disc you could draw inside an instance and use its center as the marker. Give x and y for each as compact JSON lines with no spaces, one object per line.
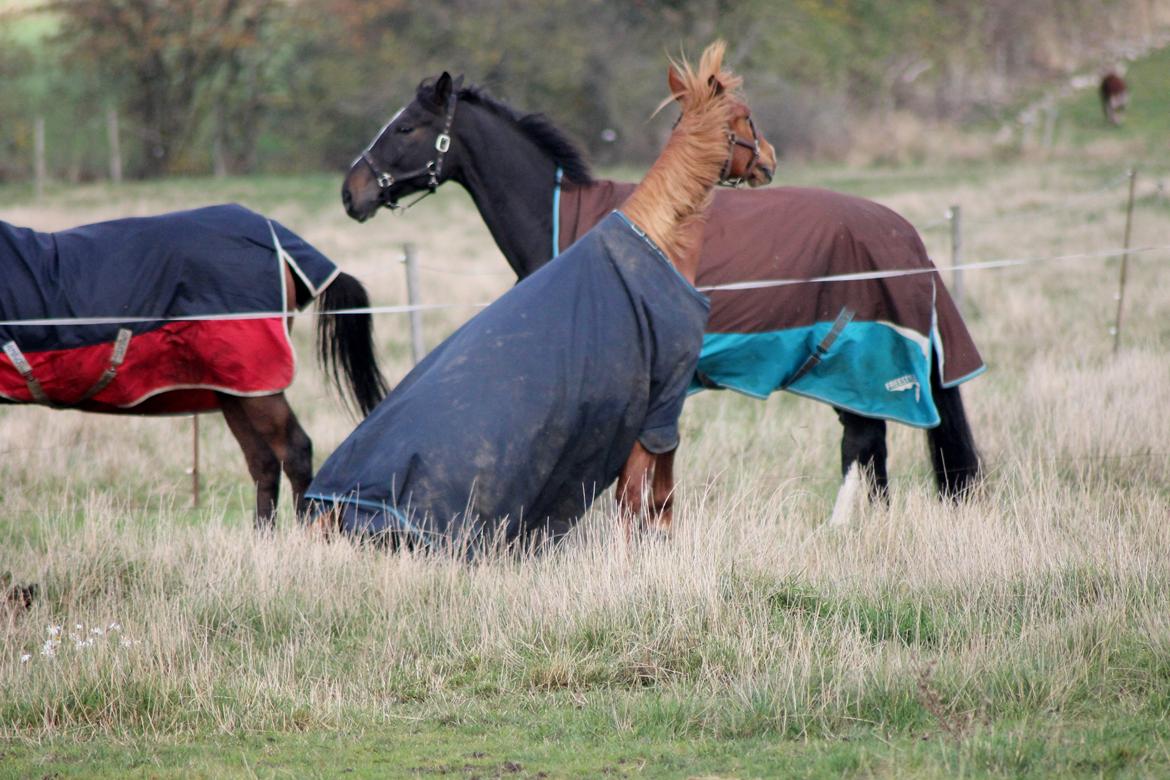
{"x":141,"y":315}
{"x":864,"y":345}
{"x":507,"y":431}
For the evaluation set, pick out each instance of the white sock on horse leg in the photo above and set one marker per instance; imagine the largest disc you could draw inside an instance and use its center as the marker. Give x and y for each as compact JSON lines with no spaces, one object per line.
{"x":847,"y":498}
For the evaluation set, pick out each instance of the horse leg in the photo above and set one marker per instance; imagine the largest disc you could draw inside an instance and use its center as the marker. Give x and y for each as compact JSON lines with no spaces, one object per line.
{"x":276,"y":424}
{"x":952,"y":446}
{"x":864,"y":443}
{"x":663,"y":489}
{"x":645,"y":489}
{"x":263,"y":465}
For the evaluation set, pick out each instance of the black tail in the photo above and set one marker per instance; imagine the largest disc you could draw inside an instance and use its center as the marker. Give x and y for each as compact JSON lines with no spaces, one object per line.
{"x":345,"y":343}
{"x":952,"y":447}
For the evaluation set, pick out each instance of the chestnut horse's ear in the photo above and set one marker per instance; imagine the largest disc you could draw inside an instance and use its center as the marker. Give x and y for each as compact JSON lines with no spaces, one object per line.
{"x":716,"y":85}
{"x":677,"y":87}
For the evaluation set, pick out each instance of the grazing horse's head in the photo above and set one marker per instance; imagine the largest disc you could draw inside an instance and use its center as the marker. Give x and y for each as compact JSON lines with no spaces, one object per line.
{"x":409,"y":153}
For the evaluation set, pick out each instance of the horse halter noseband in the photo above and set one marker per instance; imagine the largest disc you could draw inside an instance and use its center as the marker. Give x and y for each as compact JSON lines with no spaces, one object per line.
{"x":733,"y":140}
{"x":432,"y":170}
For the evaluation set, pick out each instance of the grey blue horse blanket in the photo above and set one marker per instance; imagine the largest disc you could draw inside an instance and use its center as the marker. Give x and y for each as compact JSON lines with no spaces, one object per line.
{"x":163,"y":274}
{"x":864,"y":345}
{"x":508,"y":430}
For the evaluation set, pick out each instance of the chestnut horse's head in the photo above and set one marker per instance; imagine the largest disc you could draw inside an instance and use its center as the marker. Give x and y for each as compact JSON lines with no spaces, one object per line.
{"x":408,"y":154}
{"x":751,"y":159}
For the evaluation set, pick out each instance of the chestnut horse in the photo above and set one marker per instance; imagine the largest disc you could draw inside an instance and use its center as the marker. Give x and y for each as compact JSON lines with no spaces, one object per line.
{"x":570,"y":381}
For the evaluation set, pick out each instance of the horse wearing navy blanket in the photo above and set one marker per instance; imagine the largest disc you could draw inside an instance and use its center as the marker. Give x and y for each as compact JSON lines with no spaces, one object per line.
{"x":573,"y":379}
{"x":177,"y":314}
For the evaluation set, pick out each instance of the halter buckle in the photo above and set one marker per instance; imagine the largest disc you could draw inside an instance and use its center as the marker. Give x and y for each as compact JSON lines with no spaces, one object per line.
{"x":385,"y":180}
{"x":443,"y":143}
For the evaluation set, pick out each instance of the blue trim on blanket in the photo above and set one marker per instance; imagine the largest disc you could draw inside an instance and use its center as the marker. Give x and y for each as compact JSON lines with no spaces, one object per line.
{"x":377,"y":506}
{"x":871,"y":369}
{"x":556,"y":215}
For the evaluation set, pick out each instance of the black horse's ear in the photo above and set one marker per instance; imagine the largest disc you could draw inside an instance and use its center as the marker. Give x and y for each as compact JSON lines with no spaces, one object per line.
{"x":443,"y":87}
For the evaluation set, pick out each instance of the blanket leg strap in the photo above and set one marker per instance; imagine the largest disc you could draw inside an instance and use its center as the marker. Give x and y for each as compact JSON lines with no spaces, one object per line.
{"x":843,"y":319}
{"x":121,"y":344}
{"x":21,"y":362}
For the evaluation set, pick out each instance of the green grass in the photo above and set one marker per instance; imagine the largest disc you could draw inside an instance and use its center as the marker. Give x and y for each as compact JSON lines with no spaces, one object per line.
{"x":563,"y":740}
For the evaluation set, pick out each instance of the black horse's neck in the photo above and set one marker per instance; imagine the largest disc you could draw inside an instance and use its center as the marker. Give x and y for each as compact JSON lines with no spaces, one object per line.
{"x":511,"y":179}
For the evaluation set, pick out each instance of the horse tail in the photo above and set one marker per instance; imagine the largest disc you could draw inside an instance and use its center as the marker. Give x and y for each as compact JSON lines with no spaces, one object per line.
{"x":952,"y":447}
{"x":345,"y":343}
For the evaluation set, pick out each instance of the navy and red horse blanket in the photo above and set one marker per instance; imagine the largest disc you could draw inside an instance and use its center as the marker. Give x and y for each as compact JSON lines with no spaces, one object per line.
{"x":509,"y":429}
{"x":877,"y":338}
{"x":220,"y":260}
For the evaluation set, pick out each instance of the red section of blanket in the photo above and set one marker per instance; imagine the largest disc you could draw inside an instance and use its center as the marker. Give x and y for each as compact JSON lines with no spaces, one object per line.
{"x":175,"y":369}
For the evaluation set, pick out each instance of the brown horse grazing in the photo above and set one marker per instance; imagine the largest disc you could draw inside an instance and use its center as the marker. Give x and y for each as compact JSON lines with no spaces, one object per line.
{"x":573,"y":379}
{"x":1114,"y":97}
{"x":177,"y":314}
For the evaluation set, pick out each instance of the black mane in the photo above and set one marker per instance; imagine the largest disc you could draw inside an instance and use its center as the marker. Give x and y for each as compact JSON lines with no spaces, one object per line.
{"x":537,"y":128}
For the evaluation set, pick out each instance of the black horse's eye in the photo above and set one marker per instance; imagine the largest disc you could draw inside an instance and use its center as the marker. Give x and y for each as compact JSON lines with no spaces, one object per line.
{"x":405,"y":129}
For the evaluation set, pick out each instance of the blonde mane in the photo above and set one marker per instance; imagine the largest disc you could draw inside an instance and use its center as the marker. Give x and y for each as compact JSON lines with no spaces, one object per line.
{"x":670,"y":202}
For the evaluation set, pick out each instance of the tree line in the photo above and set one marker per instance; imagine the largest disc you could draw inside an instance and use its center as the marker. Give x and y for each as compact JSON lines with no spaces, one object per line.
{"x":237,"y":86}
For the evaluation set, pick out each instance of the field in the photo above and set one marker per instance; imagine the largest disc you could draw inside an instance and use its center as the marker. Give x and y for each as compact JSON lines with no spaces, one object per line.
{"x":1024,"y":633}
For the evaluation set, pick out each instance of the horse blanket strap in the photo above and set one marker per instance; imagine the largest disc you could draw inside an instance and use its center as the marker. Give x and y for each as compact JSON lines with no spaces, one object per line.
{"x":843,"y":319}
{"x":121,"y":344}
{"x":34,"y":387}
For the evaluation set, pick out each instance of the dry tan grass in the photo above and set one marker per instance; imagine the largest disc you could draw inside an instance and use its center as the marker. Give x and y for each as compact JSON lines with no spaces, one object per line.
{"x":754,"y":606}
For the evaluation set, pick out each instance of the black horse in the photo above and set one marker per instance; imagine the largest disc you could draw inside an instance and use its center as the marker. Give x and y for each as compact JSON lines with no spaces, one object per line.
{"x":517,"y":167}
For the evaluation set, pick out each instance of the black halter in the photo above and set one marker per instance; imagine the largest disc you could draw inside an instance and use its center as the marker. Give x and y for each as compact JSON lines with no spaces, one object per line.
{"x":432,"y":170}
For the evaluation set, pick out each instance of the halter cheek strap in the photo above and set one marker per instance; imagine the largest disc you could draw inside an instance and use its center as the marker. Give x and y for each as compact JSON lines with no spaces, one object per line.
{"x":432,"y":170}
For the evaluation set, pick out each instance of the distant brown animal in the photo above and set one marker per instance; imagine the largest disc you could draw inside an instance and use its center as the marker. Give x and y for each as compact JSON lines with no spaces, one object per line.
{"x":1114,"y":96}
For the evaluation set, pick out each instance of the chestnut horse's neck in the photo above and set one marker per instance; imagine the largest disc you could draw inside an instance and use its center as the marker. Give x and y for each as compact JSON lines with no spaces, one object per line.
{"x":670,"y":202}
{"x":511,"y":179}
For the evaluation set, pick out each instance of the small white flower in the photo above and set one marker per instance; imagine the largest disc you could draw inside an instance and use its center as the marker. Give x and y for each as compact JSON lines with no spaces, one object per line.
{"x":97,"y":631}
{"x":79,"y":627}
{"x":114,"y":626}
{"x":53,"y":630}
{"x":126,"y":642}
{"x":49,"y":648}
{"x":24,"y":657}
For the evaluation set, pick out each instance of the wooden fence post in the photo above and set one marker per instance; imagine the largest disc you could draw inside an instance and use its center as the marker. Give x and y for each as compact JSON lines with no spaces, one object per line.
{"x":39,"y":157}
{"x":1124,"y":262}
{"x":115,"y":145}
{"x":955,"y":215}
{"x":409,"y":257}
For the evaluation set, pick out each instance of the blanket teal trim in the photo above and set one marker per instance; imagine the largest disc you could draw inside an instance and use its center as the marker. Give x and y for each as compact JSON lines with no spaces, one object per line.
{"x":556,"y":215}
{"x":872,"y":369}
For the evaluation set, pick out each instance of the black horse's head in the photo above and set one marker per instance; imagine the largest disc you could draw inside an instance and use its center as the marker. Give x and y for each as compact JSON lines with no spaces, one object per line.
{"x":408,"y":155}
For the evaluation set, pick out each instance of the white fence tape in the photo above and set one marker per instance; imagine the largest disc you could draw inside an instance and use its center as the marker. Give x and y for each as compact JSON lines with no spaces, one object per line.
{"x":749,"y":285}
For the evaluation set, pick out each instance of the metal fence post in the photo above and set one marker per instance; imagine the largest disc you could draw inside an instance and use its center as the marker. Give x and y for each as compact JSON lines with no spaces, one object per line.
{"x":955,"y":215}
{"x":1124,"y":262}
{"x":195,"y":461}
{"x":410,"y":259}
